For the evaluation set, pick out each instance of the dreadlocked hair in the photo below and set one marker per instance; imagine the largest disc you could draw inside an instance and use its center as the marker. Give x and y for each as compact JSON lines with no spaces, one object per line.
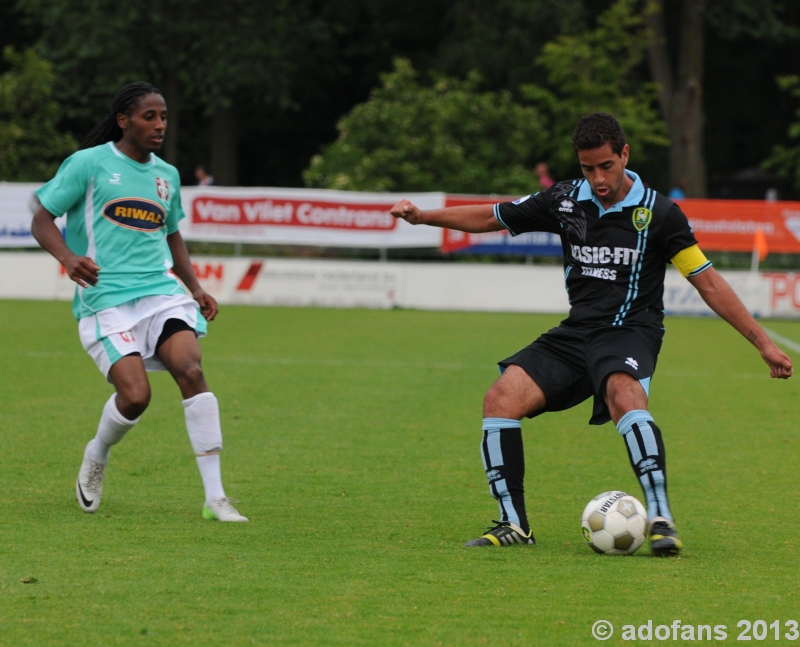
{"x":124,"y":103}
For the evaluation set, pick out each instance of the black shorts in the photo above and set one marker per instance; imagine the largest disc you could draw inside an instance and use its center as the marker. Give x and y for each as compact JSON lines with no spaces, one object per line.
{"x":171,"y":326}
{"x":572,"y":364}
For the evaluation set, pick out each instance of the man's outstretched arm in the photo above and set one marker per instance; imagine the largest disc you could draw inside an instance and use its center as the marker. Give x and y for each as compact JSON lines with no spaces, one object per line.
{"x":472,"y":218}
{"x":721,"y":298}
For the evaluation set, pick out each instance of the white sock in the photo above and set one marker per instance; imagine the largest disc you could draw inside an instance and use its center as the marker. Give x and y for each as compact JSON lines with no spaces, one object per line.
{"x":210,"y":472}
{"x":112,"y":428}
{"x":205,"y":433}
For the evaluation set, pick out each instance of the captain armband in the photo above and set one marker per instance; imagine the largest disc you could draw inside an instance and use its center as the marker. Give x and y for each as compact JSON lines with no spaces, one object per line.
{"x":690,"y":261}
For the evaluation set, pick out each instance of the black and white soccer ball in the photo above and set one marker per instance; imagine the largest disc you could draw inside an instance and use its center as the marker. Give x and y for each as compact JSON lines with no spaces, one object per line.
{"x":614,"y":523}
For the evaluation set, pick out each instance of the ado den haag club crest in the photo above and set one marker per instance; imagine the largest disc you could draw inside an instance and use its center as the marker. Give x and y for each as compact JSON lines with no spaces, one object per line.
{"x":162,"y":186}
{"x":641,"y":218}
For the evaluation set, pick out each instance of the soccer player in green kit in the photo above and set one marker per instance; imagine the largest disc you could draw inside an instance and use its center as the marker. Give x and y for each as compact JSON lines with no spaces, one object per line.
{"x":122,"y":246}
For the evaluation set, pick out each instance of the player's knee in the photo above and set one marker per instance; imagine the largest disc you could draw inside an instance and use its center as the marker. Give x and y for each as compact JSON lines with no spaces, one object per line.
{"x":133,"y":401}
{"x":194,"y":374}
{"x":191,"y":379}
{"x":624,"y":393}
{"x":515,"y":395}
{"x":491,"y":397}
{"x":499,"y":403}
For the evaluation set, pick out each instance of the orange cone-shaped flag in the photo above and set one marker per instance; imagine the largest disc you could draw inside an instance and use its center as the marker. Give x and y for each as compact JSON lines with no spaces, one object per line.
{"x":760,"y":244}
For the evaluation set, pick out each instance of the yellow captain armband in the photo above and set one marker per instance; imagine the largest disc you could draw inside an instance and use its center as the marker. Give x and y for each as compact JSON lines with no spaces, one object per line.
{"x":690,"y":261}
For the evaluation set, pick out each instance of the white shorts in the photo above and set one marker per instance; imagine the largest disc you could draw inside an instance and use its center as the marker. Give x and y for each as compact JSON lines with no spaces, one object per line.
{"x":134,"y":327}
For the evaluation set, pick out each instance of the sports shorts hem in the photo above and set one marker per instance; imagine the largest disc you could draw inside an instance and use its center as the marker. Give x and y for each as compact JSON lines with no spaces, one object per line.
{"x":572,"y":364}
{"x":135,"y":327}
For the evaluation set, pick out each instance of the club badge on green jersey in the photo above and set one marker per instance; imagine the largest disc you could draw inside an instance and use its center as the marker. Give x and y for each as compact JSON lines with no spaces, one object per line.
{"x":642,"y":218}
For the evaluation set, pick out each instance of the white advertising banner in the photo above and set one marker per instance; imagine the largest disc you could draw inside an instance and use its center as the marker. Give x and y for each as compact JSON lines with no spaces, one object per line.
{"x":317,"y":217}
{"x":33,"y":275}
{"x":17,"y":205}
{"x":426,"y":286}
{"x":291,"y":282}
{"x":766,"y":294}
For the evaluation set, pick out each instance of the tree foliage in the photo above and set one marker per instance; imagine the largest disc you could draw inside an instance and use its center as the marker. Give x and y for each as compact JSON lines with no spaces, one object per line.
{"x":785,"y":159}
{"x":31,"y":148}
{"x":452,"y":136}
{"x":764,"y":20}
{"x":502,"y":39}
{"x":679,"y":60}
{"x":205,"y":57}
{"x":445,"y":135}
{"x":264,"y":83}
{"x":599,"y":70}
{"x":213,"y":50}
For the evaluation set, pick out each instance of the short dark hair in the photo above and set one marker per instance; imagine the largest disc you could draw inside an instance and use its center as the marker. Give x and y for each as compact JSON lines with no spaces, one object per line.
{"x":124,"y":102}
{"x":597,"y":129}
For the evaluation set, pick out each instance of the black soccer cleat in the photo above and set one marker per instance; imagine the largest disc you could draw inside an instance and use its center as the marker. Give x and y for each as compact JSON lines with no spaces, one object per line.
{"x":664,"y":540}
{"x":504,"y":533}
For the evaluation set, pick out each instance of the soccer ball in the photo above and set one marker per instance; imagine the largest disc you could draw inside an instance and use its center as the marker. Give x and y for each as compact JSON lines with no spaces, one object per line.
{"x":614,"y":523}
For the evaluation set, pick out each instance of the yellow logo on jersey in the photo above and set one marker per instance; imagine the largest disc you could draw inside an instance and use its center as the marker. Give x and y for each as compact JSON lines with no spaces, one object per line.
{"x":642,"y":218}
{"x":135,"y":213}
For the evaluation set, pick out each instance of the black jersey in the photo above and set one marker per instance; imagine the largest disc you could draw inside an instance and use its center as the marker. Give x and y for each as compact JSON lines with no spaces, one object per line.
{"x":614,"y":261}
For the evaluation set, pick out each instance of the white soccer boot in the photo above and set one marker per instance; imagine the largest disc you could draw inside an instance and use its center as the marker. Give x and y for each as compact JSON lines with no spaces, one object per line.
{"x":221,"y":509}
{"x":89,"y":485}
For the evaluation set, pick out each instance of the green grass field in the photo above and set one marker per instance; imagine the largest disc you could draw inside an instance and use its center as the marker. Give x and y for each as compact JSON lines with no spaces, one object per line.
{"x":351,"y":441}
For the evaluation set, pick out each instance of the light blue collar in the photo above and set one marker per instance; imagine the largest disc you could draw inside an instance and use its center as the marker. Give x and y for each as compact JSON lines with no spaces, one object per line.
{"x":633,"y":198}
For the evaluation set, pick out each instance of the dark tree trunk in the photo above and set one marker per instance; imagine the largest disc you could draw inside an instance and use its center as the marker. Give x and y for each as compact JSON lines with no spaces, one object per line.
{"x":172,"y":96}
{"x":224,"y":165}
{"x":681,"y":92}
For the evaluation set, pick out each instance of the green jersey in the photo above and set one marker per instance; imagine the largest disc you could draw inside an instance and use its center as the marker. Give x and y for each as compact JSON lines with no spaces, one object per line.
{"x":119,"y":213}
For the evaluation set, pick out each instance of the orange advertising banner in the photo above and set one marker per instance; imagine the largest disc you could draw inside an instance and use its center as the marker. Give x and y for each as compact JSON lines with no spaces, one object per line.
{"x":732,"y":225}
{"x":719,"y":225}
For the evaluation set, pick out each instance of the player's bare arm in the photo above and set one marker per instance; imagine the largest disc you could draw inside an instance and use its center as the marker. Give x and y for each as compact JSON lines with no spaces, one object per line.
{"x":182,"y":266}
{"x":472,"y":218}
{"x":81,"y":269}
{"x":721,"y":298}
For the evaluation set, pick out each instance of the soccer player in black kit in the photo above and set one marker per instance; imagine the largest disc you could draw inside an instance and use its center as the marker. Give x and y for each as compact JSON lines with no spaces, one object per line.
{"x":618,"y":236}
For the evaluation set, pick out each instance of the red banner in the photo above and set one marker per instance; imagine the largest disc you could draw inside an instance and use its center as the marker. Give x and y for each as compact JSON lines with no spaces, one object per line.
{"x":452,"y":240}
{"x":732,"y":225}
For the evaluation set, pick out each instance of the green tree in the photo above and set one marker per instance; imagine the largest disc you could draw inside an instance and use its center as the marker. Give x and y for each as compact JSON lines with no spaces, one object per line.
{"x":263,"y":84}
{"x":598,"y":70}
{"x":244,"y":81}
{"x":31,"y":148}
{"x":450,"y":136}
{"x":785,"y":160}
{"x":502,"y":39}
{"x":207,"y":58}
{"x":443,"y":136}
{"x":677,"y":61}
